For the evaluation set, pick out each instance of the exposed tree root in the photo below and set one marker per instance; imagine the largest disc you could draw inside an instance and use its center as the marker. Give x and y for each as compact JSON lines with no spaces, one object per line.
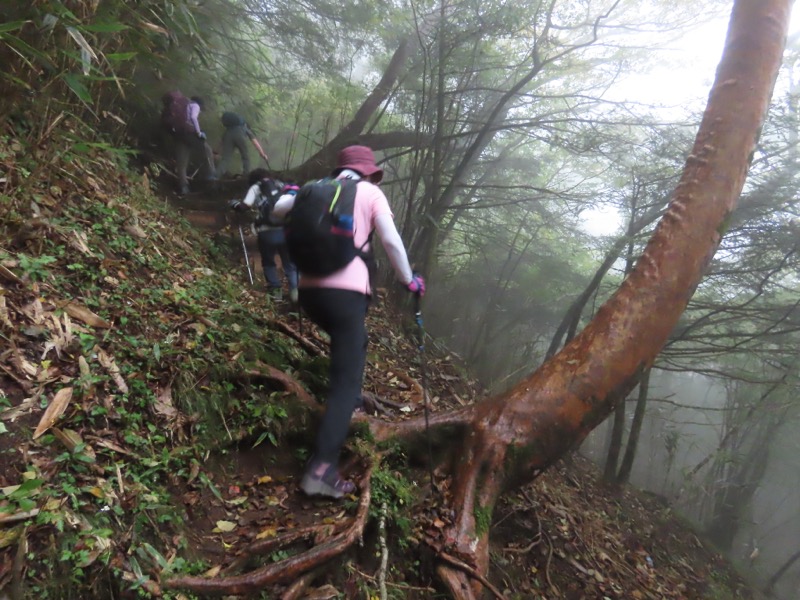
{"x":374,"y":405}
{"x":457,"y":582}
{"x":288,"y":383}
{"x":465,"y":568}
{"x":298,"y":588}
{"x":287,"y":539}
{"x":309,"y":346}
{"x":383,"y":430}
{"x":290,"y":569}
{"x":380,"y":429}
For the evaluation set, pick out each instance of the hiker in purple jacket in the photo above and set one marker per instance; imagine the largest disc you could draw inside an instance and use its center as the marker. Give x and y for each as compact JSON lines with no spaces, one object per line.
{"x":188,"y":136}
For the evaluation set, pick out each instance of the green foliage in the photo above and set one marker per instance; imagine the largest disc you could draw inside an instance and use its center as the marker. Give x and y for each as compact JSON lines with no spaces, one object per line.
{"x":181,"y":334}
{"x":392,"y":489}
{"x":35,"y":267}
{"x":483,"y":518}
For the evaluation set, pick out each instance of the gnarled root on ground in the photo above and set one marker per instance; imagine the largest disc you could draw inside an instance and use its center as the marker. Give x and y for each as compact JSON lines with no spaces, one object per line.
{"x":287,"y":382}
{"x":288,"y":570}
{"x":384,"y":430}
{"x":267,"y":545}
{"x":298,"y":588}
{"x":456,"y":576}
{"x":314,"y":346}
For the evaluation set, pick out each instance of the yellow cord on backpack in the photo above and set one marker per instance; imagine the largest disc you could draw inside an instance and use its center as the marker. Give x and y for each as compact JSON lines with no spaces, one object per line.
{"x":336,"y":195}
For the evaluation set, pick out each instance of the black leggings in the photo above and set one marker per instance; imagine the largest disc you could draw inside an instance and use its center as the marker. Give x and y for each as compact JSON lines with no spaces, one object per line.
{"x":341,"y":314}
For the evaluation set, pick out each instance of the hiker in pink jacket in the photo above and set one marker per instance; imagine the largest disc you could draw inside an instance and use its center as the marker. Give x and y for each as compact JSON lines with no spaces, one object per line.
{"x":338,"y":304}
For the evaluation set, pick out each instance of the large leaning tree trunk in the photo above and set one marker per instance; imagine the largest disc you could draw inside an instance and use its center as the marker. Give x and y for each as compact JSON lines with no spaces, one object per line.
{"x":513,"y":437}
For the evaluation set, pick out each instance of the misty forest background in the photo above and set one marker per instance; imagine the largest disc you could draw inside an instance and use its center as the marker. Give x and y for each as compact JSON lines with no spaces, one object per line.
{"x":504,"y":136}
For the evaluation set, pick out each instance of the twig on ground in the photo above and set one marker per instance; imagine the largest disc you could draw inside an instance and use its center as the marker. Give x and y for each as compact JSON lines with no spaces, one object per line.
{"x":391,"y":584}
{"x":384,"y":552}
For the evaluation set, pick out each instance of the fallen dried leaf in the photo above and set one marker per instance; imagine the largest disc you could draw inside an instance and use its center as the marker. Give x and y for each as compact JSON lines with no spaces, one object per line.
{"x":224,"y":527}
{"x":267,"y":533}
{"x":213,"y":571}
{"x":80,"y":243}
{"x":77,"y":311}
{"x":109,"y":364}
{"x":54,"y":410}
{"x":135,"y":231}
{"x":163,"y":404}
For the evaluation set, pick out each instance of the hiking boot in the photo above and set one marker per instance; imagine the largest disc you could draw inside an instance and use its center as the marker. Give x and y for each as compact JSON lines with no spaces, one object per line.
{"x":329,"y":484}
{"x":276,"y":294}
{"x":293,"y":295}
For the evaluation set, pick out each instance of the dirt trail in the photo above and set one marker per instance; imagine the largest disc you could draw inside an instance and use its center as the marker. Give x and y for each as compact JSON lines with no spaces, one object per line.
{"x":207,"y":209}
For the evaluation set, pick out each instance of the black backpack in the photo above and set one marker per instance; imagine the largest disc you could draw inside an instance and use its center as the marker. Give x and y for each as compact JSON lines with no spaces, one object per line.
{"x":270,"y":192}
{"x":319,"y":228}
{"x":231,"y":119}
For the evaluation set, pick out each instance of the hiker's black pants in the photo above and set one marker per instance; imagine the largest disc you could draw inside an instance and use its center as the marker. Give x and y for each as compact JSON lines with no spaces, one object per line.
{"x":341,"y":314}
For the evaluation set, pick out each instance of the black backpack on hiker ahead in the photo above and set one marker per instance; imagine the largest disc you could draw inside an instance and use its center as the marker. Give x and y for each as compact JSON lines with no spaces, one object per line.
{"x":231,"y":119}
{"x":319,"y":228}
{"x":270,"y":192}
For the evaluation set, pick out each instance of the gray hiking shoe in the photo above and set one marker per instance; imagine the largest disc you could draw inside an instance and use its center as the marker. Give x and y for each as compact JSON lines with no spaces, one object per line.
{"x":329,"y":484}
{"x":276,"y":294}
{"x":293,"y":295}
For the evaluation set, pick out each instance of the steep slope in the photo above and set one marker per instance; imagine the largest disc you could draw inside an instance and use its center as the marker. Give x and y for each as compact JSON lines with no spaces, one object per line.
{"x":154,"y":416}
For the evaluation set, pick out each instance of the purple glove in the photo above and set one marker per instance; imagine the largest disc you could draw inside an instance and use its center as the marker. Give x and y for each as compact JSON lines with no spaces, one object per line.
{"x":416,"y":285}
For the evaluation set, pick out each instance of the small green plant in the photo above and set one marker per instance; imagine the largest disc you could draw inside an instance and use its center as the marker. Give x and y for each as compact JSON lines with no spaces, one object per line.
{"x":35,"y":267}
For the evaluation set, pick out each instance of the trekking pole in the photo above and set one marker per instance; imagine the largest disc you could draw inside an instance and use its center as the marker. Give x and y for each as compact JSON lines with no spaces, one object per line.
{"x":246,"y":257}
{"x":421,"y":348}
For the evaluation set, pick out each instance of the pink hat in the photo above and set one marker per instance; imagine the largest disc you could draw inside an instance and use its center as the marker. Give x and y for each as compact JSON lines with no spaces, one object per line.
{"x":361,"y":160}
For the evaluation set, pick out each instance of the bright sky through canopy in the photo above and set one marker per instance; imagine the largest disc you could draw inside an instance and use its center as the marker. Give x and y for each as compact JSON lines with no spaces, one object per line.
{"x":681,"y":82}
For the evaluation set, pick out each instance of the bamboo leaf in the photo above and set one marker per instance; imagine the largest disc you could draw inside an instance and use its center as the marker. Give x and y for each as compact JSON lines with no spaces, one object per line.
{"x":80,"y":90}
{"x":87,"y":52}
{"x":54,"y":410}
{"x":16,"y":80}
{"x":11,"y":26}
{"x":104,"y":27}
{"x":154,"y":27}
{"x":121,"y":56}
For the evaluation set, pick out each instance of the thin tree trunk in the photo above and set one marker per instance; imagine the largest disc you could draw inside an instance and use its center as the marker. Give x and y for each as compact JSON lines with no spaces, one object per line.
{"x":618,"y":428}
{"x":614,"y":443}
{"x":636,"y":428}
